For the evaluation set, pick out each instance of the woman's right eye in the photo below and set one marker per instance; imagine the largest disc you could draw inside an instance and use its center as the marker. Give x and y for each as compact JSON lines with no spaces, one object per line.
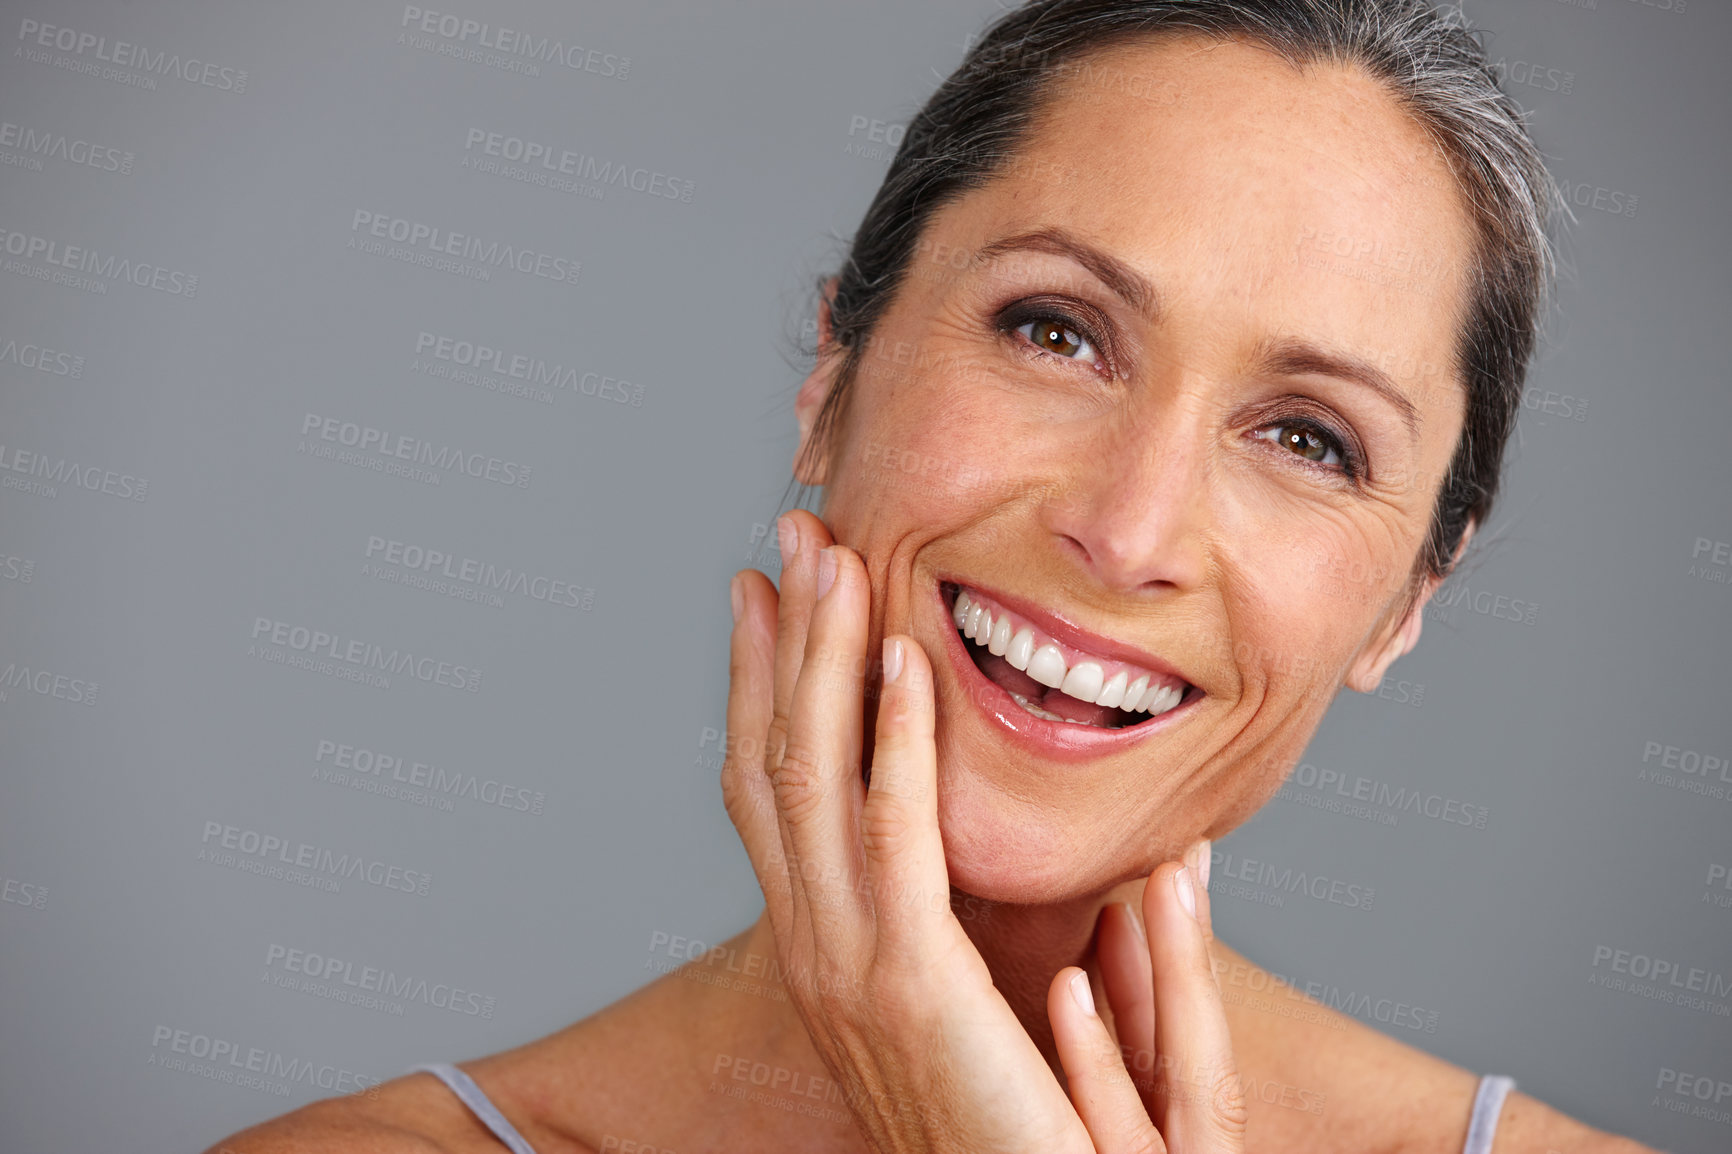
{"x":1053,"y":336}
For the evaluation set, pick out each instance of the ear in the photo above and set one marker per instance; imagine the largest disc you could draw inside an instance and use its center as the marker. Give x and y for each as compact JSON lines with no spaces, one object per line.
{"x":812,"y":462}
{"x":1396,"y":639}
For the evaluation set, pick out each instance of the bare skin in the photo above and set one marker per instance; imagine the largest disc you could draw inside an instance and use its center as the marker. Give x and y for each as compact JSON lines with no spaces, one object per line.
{"x":1171,"y":471}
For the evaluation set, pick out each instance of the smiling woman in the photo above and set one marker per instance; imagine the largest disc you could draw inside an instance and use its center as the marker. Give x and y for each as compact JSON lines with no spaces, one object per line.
{"x":1166,"y":312}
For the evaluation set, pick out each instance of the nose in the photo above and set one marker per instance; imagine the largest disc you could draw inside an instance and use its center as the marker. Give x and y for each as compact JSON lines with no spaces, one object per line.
{"x":1134,"y":511}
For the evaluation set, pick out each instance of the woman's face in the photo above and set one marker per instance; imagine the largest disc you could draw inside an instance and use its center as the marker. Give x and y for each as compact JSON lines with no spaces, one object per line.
{"x":1172,"y":396}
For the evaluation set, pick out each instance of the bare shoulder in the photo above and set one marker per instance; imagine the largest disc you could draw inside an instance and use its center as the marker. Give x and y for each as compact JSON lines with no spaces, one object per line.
{"x":414,"y":1114}
{"x":1319,"y":1080}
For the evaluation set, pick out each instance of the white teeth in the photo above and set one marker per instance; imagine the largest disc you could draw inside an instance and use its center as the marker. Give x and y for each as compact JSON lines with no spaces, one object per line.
{"x":1114,"y":693}
{"x":1047,"y":666}
{"x":1035,"y":709}
{"x":1083,"y":682}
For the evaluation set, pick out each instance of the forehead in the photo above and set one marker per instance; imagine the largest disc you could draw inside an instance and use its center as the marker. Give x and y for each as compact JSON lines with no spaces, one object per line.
{"x":1302,"y":199}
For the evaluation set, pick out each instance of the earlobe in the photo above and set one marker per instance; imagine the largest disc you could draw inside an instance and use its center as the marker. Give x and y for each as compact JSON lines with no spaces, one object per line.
{"x":811,"y":462}
{"x":1366,"y":673}
{"x":1370,"y":666}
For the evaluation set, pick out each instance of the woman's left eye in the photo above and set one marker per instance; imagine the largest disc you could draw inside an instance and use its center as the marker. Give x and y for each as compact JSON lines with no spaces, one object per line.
{"x":1059,"y":339}
{"x":1304,"y":440}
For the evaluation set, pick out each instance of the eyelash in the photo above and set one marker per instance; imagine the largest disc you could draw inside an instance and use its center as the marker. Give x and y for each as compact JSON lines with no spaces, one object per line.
{"x":1023,"y":314}
{"x":1347,"y":465}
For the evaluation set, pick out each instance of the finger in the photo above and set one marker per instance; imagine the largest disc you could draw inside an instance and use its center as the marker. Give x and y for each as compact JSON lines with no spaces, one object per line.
{"x":817,"y":781}
{"x":905,"y":869}
{"x":1100,"y":1086}
{"x":1204,"y":1104}
{"x":1199,"y":860}
{"x":801,"y":536}
{"x":746,"y":791}
{"x":1128,"y":978}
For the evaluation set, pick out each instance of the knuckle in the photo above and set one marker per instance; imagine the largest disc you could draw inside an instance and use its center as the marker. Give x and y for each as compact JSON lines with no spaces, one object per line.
{"x":799,"y":783}
{"x":885,"y":825}
{"x":1228,"y":1110}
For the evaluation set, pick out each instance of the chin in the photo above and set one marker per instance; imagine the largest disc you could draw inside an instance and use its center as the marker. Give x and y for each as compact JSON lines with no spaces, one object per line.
{"x":1031,"y":750}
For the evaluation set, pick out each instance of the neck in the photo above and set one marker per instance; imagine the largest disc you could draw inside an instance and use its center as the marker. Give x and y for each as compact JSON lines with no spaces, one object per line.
{"x":1023,"y":946}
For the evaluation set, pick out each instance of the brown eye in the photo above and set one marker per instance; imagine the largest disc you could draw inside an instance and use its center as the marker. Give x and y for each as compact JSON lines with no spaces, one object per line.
{"x":1057,"y":339}
{"x":1305,"y":441}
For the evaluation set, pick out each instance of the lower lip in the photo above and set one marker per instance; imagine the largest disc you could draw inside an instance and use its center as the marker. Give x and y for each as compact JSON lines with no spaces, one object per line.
{"x":1059,"y":740}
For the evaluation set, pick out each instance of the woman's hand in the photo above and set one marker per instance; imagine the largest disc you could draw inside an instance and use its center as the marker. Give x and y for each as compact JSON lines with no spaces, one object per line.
{"x":895,"y":997}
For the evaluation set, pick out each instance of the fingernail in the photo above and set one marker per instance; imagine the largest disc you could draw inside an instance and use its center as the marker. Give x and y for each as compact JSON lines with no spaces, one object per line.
{"x":826,"y":571}
{"x":1079,"y":989}
{"x":892,"y":660}
{"x":738,"y":597}
{"x":1187,"y":895}
{"x":1204,"y":853}
{"x":788,"y":537}
{"x":1132,"y":914}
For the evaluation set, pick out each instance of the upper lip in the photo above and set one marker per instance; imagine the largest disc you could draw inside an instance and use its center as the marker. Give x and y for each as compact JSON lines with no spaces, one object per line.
{"x":1070,"y":633}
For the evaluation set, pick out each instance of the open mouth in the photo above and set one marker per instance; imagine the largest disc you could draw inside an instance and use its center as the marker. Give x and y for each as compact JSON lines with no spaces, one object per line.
{"x":1054,"y":680}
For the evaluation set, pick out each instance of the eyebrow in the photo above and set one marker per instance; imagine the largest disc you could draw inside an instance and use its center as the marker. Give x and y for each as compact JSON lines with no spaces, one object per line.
{"x":1288,"y":356}
{"x":1291,"y":356}
{"x":1125,"y":282}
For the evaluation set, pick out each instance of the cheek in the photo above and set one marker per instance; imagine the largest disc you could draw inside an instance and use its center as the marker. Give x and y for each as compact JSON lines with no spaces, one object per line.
{"x":1303,"y":584}
{"x":927,"y":448}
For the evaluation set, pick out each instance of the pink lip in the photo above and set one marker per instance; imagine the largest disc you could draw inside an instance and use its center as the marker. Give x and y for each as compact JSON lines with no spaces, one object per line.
{"x":1058,"y":740}
{"x":1071,"y":634}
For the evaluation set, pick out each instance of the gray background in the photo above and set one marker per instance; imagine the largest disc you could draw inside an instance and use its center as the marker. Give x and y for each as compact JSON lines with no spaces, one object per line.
{"x":115,"y":932}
